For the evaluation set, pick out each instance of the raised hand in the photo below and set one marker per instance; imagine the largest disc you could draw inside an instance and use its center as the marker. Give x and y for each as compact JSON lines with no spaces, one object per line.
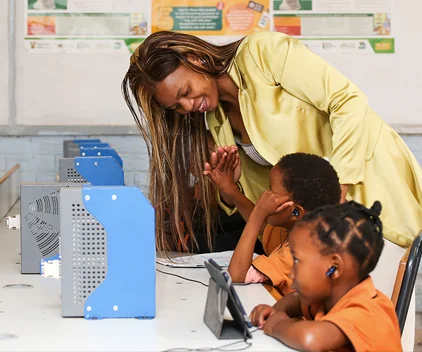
{"x":222,"y":174}
{"x":217,"y":156}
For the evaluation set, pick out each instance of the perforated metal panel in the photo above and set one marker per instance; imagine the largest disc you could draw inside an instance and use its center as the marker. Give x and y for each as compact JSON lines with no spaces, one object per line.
{"x":73,"y":176}
{"x":83,"y":250}
{"x":67,"y":171}
{"x":40,"y":224}
{"x":89,"y":246}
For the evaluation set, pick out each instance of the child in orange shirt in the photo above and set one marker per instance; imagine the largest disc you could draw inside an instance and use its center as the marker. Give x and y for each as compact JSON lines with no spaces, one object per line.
{"x":335,"y":306}
{"x":299,"y":183}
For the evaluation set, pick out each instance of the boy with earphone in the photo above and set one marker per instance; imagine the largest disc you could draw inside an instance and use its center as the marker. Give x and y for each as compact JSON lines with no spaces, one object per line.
{"x":299,"y":183}
{"x":335,"y":306}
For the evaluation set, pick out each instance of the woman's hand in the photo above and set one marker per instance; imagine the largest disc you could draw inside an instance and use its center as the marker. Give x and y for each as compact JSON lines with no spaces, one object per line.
{"x":217,"y":156}
{"x":227,"y":170}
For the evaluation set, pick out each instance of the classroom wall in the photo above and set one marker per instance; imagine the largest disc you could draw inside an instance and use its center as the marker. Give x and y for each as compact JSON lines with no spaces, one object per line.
{"x":39,"y":157}
{"x":68,"y":89}
{"x":84,"y":89}
{"x":4,"y":64}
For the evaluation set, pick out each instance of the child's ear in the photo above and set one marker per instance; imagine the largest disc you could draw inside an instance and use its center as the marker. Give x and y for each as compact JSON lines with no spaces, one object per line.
{"x":338,"y":263}
{"x":297,"y":212}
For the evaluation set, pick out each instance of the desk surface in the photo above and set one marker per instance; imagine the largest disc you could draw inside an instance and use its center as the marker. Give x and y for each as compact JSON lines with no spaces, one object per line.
{"x":33,"y":315}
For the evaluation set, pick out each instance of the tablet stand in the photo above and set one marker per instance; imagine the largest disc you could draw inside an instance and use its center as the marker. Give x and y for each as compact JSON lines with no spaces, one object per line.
{"x":223,"y":329}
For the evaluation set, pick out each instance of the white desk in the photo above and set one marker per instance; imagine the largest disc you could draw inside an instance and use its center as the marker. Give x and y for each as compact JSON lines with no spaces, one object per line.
{"x":34,"y":315}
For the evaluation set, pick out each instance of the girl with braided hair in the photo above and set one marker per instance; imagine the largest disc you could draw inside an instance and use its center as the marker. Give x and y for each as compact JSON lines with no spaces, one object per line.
{"x":336,"y":305}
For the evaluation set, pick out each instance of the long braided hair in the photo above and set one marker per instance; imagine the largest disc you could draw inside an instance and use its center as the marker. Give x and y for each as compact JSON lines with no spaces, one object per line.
{"x":176,"y":143}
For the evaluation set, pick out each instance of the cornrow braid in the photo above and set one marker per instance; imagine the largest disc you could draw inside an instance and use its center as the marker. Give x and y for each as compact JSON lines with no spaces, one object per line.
{"x":350,"y":227}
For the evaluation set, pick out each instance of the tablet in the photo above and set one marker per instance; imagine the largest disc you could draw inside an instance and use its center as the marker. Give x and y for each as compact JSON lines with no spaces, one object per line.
{"x":222,"y":278}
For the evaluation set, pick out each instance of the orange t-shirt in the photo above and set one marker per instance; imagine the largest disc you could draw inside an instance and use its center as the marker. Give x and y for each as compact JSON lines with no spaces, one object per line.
{"x":366,"y":316}
{"x":273,"y":237}
{"x":278,"y":264}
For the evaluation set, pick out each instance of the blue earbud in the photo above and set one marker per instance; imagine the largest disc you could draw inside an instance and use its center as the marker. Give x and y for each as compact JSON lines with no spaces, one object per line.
{"x":295,"y":212}
{"x":331,"y":271}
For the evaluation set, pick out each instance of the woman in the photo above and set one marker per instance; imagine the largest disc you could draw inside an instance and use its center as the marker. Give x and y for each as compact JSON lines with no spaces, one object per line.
{"x":272,"y":96}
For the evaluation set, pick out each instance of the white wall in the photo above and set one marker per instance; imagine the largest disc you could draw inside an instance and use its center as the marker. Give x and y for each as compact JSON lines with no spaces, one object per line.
{"x":4,"y":64}
{"x":84,"y":89}
{"x":393,"y":82}
{"x":72,"y":89}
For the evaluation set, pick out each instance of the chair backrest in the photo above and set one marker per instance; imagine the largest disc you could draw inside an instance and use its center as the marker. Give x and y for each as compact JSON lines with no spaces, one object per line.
{"x":409,"y":279}
{"x":399,"y":277}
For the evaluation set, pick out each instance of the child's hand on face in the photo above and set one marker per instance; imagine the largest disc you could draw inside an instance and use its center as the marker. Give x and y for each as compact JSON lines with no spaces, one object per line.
{"x":270,"y":203}
{"x":260,"y":314}
{"x":227,"y":171}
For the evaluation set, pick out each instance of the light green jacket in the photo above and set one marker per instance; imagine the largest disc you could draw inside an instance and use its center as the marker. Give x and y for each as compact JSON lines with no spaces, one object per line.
{"x":293,"y":101}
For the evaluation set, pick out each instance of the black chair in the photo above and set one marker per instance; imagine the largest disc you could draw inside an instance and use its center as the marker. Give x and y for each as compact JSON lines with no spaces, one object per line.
{"x":409,"y":279}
